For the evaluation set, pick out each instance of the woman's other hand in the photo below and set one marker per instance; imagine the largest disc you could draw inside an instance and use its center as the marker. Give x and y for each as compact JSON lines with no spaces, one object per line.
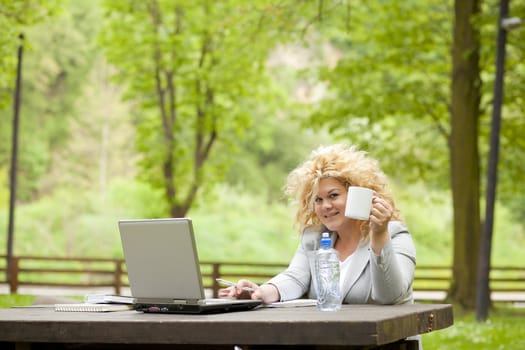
{"x":244,"y":289}
{"x":267,"y":293}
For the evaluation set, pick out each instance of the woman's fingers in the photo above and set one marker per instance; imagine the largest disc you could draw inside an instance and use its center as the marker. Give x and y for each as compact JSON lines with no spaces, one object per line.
{"x":244,"y":289}
{"x":229,"y":292}
{"x":381,"y":214}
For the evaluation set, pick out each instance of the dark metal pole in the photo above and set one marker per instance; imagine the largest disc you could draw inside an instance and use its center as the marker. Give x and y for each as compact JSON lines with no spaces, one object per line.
{"x":14,"y":159}
{"x":483,"y":290}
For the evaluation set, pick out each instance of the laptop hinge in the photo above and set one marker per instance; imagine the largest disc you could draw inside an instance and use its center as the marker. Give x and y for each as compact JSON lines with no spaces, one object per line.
{"x":167,"y":301}
{"x":185,"y":301}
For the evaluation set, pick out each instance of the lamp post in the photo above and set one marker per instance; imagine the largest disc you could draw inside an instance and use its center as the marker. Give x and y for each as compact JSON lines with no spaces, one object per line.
{"x":483,"y":291}
{"x":14,"y":161}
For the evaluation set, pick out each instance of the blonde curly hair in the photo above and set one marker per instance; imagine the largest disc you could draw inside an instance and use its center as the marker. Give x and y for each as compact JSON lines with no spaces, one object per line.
{"x":348,"y":165}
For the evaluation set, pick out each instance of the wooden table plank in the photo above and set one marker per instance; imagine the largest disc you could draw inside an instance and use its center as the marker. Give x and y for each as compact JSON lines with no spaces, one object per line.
{"x":353,"y":325}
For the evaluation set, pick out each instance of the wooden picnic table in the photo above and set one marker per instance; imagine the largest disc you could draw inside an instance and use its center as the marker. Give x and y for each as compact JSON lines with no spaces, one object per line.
{"x":354,"y":326}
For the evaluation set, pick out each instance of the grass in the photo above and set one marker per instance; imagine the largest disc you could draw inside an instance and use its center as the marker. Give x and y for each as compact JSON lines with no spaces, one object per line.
{"x":505,"y":329}
{"x":10,"y":300}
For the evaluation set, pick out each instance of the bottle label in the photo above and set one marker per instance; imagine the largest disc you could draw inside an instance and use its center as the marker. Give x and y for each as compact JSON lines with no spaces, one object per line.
{"x":328,"y":293}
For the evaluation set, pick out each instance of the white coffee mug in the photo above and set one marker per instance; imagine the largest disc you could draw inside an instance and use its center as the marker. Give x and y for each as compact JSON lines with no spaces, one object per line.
{"x":359,"y":203}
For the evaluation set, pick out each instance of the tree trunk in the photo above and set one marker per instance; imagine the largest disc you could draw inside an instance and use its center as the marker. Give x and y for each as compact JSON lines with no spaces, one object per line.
{"x":464,"y":156}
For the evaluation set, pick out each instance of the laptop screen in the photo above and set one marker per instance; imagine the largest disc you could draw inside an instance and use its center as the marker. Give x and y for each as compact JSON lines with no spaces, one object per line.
{"x":161,"y":259}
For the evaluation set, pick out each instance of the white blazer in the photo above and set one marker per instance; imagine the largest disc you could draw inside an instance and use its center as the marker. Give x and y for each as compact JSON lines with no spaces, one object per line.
{"x":371,"y":278}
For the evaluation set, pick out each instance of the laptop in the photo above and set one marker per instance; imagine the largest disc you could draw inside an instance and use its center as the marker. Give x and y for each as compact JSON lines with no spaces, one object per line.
{"x":164,"y":271}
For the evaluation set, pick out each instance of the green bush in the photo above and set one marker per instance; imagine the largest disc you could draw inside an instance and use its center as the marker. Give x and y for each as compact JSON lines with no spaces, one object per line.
{"x":230,"y":223}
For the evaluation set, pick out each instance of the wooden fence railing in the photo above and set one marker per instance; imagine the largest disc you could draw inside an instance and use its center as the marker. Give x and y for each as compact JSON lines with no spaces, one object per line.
{"x":104,"y":272}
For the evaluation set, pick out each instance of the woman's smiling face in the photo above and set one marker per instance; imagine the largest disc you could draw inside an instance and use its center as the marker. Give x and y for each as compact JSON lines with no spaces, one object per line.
{"x":330,"y":203}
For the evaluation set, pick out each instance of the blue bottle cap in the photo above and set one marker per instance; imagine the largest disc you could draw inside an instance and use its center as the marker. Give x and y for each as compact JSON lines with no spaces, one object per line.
{"x":326,"y":241}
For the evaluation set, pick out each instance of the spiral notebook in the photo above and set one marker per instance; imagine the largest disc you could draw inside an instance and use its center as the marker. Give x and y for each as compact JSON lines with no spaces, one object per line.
{"x":87,"y":307}
{"x":164,"y":271}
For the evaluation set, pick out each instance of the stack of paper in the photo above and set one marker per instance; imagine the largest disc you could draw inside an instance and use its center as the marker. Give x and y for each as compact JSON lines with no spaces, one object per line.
{"x":293,"y":303}
{"x":108,"y":299}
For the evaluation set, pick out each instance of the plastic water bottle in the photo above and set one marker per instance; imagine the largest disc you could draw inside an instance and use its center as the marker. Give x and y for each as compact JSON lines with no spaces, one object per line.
{"x":327,"y":265}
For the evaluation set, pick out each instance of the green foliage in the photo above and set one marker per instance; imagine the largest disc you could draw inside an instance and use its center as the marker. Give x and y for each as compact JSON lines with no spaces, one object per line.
{"x":15,"y":17}
{"x":194,"y":70}
{"x":251,"y":228}
{"x":388,"y":93}
{"x":512,"y":145}
{"x":4,"y":188}
{"x":55,"y":66}
{"x":85,"y":224}
{"x":231,"y":224}
{"x":391,"y":84}
{"x":81,"y":223}
{"x":428,"y":214}
{"x":270,"y":149}
{"x":507,"y":243}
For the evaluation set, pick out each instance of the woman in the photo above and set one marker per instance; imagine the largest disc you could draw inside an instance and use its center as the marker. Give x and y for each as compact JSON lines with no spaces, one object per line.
{"x":377,"y":256}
